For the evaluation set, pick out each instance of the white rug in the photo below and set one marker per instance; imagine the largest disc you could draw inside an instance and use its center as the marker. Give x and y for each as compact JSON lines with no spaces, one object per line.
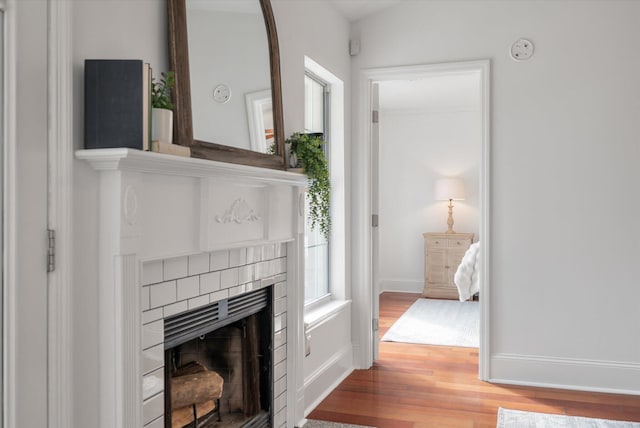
{"x":519,"y":419}
{"x":438,"y":322}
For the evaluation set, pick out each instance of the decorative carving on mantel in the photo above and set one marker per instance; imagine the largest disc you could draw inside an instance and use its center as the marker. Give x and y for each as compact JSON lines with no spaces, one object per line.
{"x":130,"y":206}
{"x":239,"y":212}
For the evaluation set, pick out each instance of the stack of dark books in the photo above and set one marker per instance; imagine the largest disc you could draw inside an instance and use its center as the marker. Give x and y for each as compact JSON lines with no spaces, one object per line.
{"x":117,"y":104}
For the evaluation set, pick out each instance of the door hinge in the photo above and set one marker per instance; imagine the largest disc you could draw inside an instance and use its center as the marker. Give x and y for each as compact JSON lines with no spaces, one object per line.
{"x":51,"y":251}
{"x":375,"y":118}
{"x":374,"y":220}
{"x":375,"y":324}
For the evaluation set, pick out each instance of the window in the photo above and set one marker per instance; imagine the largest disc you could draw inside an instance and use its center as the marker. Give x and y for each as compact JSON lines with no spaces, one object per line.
{"x":326,"y":281}
{"x":316,"y":246}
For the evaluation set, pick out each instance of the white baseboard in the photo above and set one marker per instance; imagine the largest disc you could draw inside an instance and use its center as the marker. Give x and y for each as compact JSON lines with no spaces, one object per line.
{"x":402,"y":285}
{"x":581,"y":375}
{"x":358,"y":357}
{"x":326,"y":378}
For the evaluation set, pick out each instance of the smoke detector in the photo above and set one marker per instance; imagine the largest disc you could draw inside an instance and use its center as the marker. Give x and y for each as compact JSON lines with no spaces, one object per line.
{"x":521,"y":50}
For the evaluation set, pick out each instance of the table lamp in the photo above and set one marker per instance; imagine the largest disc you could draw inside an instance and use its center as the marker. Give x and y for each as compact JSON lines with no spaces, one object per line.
{"x":449,"y":189}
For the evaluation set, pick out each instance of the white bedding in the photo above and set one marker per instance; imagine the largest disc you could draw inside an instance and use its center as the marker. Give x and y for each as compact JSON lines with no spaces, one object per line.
{"x":467,"y":277}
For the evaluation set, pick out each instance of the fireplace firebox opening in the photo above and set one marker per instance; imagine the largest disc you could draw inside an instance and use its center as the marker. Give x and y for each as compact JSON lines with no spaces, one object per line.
{"x":218,"y":364}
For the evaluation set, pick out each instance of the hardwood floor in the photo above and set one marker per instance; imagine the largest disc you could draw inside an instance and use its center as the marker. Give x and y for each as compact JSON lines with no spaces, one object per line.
{"x":419,"y":386}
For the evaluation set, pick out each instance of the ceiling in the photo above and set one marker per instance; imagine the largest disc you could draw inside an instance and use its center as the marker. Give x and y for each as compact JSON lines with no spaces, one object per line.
{"x":356,"y":9}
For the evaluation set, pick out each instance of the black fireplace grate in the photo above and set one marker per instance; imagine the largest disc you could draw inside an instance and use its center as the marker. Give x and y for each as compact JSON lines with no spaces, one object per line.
{"x":189,"y":325}
{"x":262,"y":420}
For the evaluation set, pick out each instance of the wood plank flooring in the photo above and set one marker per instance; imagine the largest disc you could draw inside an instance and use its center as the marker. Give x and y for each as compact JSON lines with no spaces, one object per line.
{"x":419,"y":386}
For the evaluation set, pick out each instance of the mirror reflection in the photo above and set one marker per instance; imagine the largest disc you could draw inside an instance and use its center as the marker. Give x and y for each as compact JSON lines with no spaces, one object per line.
{"x":230,"y":87}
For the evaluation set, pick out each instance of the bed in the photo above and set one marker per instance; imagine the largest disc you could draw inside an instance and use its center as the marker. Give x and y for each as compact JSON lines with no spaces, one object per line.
{"x":467,"y":276}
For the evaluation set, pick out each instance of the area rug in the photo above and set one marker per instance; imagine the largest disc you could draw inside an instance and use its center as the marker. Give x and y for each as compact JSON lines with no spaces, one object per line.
{"x":323,"y":424}
{"x":438,"y":322}
{"x":519,"y":419}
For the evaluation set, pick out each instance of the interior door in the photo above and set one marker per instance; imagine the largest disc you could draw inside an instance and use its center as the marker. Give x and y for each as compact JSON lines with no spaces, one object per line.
{"x":375,"y":250}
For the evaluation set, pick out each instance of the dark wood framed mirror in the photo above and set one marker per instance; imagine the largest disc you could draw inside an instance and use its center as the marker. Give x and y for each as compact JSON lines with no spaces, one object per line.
{"x":222,"y":150}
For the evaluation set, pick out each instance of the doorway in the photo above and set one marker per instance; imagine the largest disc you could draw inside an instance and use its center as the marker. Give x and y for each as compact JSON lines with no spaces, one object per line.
{"x":366,"y":148}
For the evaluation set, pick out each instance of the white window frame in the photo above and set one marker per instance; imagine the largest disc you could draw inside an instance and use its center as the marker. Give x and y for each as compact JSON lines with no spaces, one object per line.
{"x":321,"y":299}
{"x":318,"y":309}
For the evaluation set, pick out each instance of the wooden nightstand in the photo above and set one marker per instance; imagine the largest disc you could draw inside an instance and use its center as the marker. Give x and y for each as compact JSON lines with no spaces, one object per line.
{"x":442,"y":255}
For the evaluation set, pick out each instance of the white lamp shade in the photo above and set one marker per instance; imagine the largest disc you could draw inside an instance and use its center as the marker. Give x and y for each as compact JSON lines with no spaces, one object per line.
{"x":449,"y":188}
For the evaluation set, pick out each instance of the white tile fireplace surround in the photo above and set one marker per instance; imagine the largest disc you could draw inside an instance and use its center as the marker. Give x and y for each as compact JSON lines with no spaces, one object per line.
{"x":174,"y":286}
{"x":175,"y":234}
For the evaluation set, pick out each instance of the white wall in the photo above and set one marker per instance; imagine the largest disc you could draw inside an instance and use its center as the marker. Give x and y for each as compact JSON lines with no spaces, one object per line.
{"x":303,"y":31}
{"x":564,"y":153}
{"x":25,"y":298}
{"x":417,"y":148}
{"x":330,"y":360}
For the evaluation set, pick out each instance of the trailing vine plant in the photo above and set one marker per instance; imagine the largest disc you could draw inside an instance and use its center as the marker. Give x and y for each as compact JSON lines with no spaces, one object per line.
{"x":307,"y":148}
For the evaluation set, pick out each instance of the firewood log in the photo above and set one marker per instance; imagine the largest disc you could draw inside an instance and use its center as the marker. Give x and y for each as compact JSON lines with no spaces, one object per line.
{"x":190,"y":368}
{"x":195,"y":388}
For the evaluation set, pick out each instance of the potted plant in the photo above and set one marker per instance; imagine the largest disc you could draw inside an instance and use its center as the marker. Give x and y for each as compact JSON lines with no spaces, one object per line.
{"x":162,"y":108}
{"x":306,"y":152}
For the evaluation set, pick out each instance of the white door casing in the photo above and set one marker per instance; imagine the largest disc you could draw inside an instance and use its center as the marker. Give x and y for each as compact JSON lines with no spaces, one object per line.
{"x":59,"y":212}
{"x":3,"y":193}
{"x":364,"y":288}
{"x":375,"y":209}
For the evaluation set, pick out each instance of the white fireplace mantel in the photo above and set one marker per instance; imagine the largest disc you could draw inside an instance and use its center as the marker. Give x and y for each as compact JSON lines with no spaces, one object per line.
{"x":155,"y":206}
{"x":164,"y":205}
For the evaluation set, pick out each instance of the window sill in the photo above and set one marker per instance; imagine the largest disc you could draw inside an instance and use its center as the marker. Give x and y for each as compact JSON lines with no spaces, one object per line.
{"x":319,"y":314}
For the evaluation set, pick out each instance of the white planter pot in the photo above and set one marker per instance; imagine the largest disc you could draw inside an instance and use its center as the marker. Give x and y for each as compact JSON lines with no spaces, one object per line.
{"x":162,"y":125}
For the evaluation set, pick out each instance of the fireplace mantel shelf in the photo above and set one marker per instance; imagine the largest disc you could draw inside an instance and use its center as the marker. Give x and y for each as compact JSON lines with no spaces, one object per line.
{"x":157,"y":163}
